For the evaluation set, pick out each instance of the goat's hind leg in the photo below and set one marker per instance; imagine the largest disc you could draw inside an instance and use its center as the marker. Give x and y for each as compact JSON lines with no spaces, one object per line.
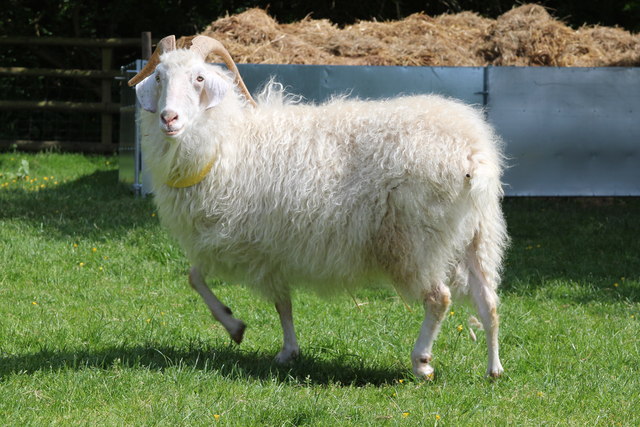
{"x":486,"y":302}
{"x":436,"y":303}
{"x":290,"y":349}
{"x":221,"y":312}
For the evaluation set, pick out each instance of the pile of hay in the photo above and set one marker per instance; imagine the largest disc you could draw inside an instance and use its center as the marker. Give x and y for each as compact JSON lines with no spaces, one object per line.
{"x":527,"y":35}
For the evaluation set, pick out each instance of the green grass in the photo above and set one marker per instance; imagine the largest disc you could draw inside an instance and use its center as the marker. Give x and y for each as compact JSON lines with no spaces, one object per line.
{"x":115,"y":336}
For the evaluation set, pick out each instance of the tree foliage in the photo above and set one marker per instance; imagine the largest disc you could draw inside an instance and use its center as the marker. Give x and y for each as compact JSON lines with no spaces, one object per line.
{"x":127,"y":18}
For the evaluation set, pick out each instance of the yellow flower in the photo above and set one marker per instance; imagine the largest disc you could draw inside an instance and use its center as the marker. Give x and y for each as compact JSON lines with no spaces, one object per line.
{"x":400,"y":381}
{"x":615,"y":285}
{"x":405,"y":414}
{"x":81,"y":264}
{"x":437,"y":417}
{"x":153,"y":214}
{"x":451,"y":313}
{"x":94,"y":249}
{"x":460,"y":328}
{"x":148,"y":320}
{"x":34,"y":303}
{"x":216,"y":417}
{"x":75,"y":245}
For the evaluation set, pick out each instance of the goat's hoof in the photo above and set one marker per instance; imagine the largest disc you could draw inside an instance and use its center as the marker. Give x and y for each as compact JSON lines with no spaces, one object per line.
{"x":495,"y":371}
{"x":495,"y":374}
{"x":286,"y":356}
{"x":238,"y":333}
{"x":424,"y":371}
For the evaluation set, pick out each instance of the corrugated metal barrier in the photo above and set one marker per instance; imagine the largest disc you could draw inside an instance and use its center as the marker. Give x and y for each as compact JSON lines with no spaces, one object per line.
{"x":567,"y":131}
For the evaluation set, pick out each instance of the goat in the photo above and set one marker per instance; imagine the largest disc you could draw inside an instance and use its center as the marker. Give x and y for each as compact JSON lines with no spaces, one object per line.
{"x":280,"y":194}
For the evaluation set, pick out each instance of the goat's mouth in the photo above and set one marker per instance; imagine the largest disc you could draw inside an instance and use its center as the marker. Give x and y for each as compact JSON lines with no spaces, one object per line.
{"x":171,"y":131}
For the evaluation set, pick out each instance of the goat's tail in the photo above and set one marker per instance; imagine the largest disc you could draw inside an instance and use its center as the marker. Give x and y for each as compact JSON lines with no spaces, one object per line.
{"x":490,"y":238}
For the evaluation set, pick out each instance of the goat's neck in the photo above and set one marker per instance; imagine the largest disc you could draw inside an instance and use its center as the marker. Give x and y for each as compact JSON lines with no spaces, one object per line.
{"x":195,"y":151}
{"x":181,"y":161}
{"x":193,"y":158}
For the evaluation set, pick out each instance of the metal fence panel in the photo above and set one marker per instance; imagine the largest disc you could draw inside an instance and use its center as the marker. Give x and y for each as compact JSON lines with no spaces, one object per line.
{"x":318,"y":83}
{"x":568,"y":131}
{"x":131,"y":170}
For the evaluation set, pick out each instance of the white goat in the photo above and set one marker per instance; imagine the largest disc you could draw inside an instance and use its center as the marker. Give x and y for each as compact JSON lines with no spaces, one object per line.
{"x":331,"y":196}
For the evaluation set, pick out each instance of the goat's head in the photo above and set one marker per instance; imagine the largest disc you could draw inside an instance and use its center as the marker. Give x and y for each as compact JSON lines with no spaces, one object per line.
{"x":178,"y":83}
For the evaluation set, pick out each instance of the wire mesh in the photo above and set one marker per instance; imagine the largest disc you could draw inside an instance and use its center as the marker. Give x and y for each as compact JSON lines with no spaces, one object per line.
{"x":45,"y":125}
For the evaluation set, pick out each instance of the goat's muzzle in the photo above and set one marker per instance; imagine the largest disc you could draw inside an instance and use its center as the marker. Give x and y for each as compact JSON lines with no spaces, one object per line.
{"x":169,"y":122}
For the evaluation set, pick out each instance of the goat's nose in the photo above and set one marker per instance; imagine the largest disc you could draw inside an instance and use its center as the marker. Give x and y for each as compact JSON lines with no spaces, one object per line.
{"x":168,"y":116}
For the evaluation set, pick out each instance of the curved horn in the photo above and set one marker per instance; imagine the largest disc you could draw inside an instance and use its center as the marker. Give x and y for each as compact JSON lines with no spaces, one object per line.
{"x":206,"y":45}
{"x":164,"y":45}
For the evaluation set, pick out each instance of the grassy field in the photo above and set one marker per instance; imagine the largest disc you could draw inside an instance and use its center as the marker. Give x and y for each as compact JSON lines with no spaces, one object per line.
{"x":99,"y":327}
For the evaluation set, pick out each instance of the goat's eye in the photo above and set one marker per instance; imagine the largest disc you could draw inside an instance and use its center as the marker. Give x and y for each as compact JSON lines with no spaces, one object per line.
{"x":157,"y":78}
{"x":199,"y":79}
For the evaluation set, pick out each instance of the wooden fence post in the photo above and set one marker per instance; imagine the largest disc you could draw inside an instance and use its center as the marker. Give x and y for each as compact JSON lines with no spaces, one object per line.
{"x":106,"y":134}
{"x":146,"y":44}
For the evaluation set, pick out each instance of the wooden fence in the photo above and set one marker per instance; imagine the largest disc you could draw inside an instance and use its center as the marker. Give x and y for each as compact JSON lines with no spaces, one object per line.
{"x":97,"y":80}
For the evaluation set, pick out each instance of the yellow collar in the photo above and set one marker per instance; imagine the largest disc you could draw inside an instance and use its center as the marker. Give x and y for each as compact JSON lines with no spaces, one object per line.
{"x":188,"y":181}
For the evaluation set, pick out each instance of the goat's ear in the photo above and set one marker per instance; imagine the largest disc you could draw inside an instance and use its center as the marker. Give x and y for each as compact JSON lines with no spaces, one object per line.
{"x":216,"y":88}
{"x":147,"y":93}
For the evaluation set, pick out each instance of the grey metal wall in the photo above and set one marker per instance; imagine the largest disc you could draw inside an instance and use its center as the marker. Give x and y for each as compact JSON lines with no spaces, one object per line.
{"x":319,"y":82}
{"x":131,"y":170}
{"x":567,"y":131}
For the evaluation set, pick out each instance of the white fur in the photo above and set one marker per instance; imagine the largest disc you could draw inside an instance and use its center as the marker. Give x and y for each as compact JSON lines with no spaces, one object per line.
{"x":330,"y":196}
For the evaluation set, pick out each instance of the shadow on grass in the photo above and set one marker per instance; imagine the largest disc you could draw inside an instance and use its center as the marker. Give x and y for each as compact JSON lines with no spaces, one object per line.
{"x":230,"y":362}
{"x":591,"y":243}
{"x":89,"y":206}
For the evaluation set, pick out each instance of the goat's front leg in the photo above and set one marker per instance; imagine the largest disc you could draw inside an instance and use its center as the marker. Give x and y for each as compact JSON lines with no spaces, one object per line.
{"x":290,"y":348}
{"x":436,"y":303}
{"x":221,"y":312}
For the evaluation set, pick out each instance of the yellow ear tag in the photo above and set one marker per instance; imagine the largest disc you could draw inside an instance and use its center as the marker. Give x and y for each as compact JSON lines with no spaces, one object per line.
{"x":188,"y":181}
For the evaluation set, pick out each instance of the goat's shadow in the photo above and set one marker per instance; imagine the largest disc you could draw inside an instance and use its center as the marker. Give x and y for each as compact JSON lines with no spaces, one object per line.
{"x":228,"y":361}
{"x":89,"y":206}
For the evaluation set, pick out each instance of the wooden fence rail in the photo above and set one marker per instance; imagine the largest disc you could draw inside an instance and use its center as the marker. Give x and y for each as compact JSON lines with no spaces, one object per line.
{"x":106,"y":108}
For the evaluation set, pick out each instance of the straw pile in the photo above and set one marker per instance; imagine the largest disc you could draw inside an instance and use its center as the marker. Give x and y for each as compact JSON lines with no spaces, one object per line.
{"x":527,"y":35}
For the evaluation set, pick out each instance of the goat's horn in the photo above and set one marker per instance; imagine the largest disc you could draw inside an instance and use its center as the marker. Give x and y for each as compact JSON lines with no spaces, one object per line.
{"x":206,"y":45}
{"x":164,"y":45}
